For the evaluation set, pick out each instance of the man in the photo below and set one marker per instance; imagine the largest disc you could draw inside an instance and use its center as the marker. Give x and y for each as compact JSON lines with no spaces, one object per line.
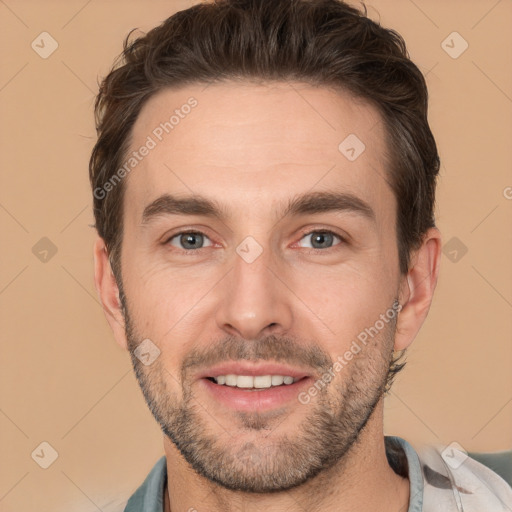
{"x":264,"y":184}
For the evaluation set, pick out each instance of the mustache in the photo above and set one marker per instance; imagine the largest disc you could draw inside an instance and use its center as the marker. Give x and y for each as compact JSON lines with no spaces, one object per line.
{"x":280,"y":349}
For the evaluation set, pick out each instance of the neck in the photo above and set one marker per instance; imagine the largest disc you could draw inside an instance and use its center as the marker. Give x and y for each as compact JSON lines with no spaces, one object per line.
{"x":362,"y":480}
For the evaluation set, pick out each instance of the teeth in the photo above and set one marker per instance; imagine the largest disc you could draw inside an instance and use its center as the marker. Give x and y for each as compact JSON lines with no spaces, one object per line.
{"x":277,"y":380}
{"x":231,"y":380}
{"x":258,"y":381}
{"x":244,"y":381}
{"x":262,"y":381}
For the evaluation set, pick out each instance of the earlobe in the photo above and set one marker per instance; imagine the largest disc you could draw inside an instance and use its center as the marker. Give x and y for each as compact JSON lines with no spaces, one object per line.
{"x":417,"y":289}
{"x":108,"y":292}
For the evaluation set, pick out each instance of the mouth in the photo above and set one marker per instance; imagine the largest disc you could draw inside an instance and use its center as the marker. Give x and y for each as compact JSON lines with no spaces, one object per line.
{"x":254,"y":383}
{"x":246,"y":387}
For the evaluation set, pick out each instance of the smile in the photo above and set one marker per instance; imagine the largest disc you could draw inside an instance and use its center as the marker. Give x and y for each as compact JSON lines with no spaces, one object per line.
{"x":254,"y":382}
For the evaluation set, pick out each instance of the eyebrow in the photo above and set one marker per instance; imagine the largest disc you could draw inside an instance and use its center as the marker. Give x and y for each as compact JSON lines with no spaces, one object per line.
{"x":307,"y":203}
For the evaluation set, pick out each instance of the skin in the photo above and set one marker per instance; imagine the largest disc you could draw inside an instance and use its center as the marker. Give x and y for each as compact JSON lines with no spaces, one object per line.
{"x":252,"y":148}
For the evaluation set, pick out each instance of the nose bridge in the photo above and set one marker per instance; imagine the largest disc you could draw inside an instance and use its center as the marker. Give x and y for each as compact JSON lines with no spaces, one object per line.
{"x":253,"y":300}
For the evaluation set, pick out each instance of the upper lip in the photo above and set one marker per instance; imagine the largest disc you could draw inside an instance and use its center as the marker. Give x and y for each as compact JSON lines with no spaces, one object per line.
{"x":246,"y":368}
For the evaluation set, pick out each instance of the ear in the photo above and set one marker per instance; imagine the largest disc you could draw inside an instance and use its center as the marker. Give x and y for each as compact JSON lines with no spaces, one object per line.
{"x":417,"y":289}
{"x":108,"y":292}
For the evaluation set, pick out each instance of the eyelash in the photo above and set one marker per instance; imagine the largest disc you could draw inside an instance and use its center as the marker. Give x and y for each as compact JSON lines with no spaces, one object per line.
{"x":342,"y":239}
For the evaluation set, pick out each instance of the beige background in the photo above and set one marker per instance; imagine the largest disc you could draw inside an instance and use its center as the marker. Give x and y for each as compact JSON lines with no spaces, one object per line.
{"x":65,"y":381}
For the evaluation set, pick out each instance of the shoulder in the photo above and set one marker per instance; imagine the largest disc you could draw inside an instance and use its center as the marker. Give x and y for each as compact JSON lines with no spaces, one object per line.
{"x":149,"y":496}
{"x":454,"y":479}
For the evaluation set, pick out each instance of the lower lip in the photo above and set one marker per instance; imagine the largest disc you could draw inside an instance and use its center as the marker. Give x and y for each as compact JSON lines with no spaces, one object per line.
{"x":256,"y":399}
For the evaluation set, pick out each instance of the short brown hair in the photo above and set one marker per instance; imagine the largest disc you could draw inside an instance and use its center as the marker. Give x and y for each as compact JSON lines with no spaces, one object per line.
{"x":321,"y":42}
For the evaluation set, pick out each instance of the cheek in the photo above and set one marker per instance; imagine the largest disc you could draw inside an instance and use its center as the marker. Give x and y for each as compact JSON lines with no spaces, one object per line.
{"x":166,"y":306}
{"x":347,"y":300}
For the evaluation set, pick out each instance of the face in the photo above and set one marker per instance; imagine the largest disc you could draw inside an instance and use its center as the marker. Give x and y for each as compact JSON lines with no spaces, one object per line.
{"x":255,"y":249}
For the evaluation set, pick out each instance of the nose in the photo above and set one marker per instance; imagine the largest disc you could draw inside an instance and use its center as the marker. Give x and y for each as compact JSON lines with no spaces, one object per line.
{"x":254,"y":302}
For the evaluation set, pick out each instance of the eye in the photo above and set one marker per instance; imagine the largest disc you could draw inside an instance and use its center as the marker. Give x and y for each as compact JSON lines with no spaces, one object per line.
{"x":189,"y":240}
{"x":321,"y":239}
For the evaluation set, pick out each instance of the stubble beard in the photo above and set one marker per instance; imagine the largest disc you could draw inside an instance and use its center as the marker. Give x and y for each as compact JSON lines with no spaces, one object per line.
{"x":258,"y":454}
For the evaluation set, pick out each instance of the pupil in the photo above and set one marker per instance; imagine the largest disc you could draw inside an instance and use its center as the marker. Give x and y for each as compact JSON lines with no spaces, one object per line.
{"x":188,"y":238}
{"x":321,"y":238}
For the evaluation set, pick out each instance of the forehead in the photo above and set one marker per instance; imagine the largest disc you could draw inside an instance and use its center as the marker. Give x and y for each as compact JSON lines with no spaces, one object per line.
{"x":248,"y":145}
